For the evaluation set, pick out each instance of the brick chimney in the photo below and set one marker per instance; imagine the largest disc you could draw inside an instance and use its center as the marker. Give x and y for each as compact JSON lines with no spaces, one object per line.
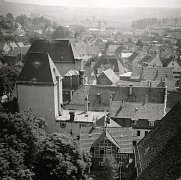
{"x":130,"y":89}
{"x":81,"y":77}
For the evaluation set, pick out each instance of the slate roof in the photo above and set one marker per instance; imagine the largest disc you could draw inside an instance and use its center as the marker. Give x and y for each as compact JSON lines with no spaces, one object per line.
{"x":158,"y":154}
{"x":38,"y":69}
{"x":122,"y":137}
{"x":135,"y":111}
{"x":58,"y":50}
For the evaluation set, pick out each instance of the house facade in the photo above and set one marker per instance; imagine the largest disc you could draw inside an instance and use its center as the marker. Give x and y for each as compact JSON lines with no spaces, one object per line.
{"x":39,"y":88}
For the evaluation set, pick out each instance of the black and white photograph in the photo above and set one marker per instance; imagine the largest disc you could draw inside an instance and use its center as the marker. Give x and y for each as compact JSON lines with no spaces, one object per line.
{"x":90,"y":89}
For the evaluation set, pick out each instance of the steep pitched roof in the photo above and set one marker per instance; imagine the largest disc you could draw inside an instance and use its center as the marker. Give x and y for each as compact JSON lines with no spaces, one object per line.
{"x":132,"y":57}
{"x":146,"y":59}
{"x":135,"y":111}
{"x":158,"y":154}
{"x":18,"y":50}
{"x":152,"y":73}
{"x":58,"y":50}
{"x":107,"y":135}
{"x":112,"y":48}
{"x":109,"y":73}
{"x":122,"y":137}
{"x":99,"y":96}
{"x":85,"y":49}
{"x":114,"y":64}
{"x":38,"y":69}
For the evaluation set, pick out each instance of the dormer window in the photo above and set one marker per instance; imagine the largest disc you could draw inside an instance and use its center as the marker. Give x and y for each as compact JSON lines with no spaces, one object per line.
{"x":36,"y":64}
{"x":151,"y":123}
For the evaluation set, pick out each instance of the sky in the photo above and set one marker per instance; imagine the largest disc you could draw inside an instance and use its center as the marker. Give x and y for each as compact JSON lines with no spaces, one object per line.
{"x":106,"y":3}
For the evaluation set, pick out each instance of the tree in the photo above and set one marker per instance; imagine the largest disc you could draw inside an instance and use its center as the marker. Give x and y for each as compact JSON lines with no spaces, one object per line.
{"x":59,"y":158}
{"x":19,"y":137}
{"x":8,"y":78}
{"x":110,"y":168}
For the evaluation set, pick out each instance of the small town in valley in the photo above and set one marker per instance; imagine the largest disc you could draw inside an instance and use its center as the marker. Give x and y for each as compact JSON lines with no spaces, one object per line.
{"x":90,"y":91}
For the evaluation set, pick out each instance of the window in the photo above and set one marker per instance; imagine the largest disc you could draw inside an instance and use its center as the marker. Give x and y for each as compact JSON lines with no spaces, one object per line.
{"x":63,"y":125}
{"x":138,"y":133}
{"x":134,"y":143}
{"x":146,"y":132}
{"x":134,"y":122}
{"x":101,"y":152}
{"x":151,"y":123}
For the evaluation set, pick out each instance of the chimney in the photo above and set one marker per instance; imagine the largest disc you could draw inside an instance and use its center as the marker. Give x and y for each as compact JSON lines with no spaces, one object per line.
{"x":130,"y":89}
{"x":86,"y":104}
{"x":81,"y":77}
{"x":72,"y":116}
{"x":110,"y":100}
{"x":146,"y":99}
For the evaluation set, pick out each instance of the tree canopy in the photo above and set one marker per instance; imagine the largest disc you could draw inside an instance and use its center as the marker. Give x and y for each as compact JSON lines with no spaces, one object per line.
{"x":59,"y":158}
{"x":19,"y":137}
{"x":8,"y":78}
{"x":28,"y":153}
{"x":110,"y":168}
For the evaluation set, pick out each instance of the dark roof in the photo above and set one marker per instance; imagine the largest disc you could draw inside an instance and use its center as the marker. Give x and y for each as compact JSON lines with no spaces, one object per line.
{"x":132,"y":57}
{"x":122,"y":137}
{"x":146,"y":59}
{"x":58,"y":50}
{"x":135,"y":111}
{"x":99,"y":96}
{"x":158,"y":154}
{"x":38,"y":68}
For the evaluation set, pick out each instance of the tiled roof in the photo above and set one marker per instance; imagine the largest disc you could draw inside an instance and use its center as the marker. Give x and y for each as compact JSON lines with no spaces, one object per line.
{"x":122,"y":136}
{"x":18,"y":50}
{"x":112,"y":48}
{"x":114,"y":63}
{"x":152,"y":73}
{"x":110,"y":74}
{"x":99,"y":96}
{"x":135,"y":111}
{"x":58,"y":50}
{"x":38,"y":68}
{"x":85,"y":49}
{"x":146,"y":59}
{"x":158,"y":154}
{"x":132,"y":57}
{"x":107,"y":135}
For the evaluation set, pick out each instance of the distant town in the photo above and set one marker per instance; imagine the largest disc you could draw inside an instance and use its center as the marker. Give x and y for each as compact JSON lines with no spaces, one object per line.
{"x":89,"y":101}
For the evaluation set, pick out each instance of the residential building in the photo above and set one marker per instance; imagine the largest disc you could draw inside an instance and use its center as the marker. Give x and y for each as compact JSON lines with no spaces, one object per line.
{"x":107,"y":77}
{"x":154,"y":74}
{"x":4,"y":48}
{"x":62,"y":53}
{"x":175,"y":64}
{"x":16,"y":55}
{"x":105,"y":141}
{"x":39,"y":88}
